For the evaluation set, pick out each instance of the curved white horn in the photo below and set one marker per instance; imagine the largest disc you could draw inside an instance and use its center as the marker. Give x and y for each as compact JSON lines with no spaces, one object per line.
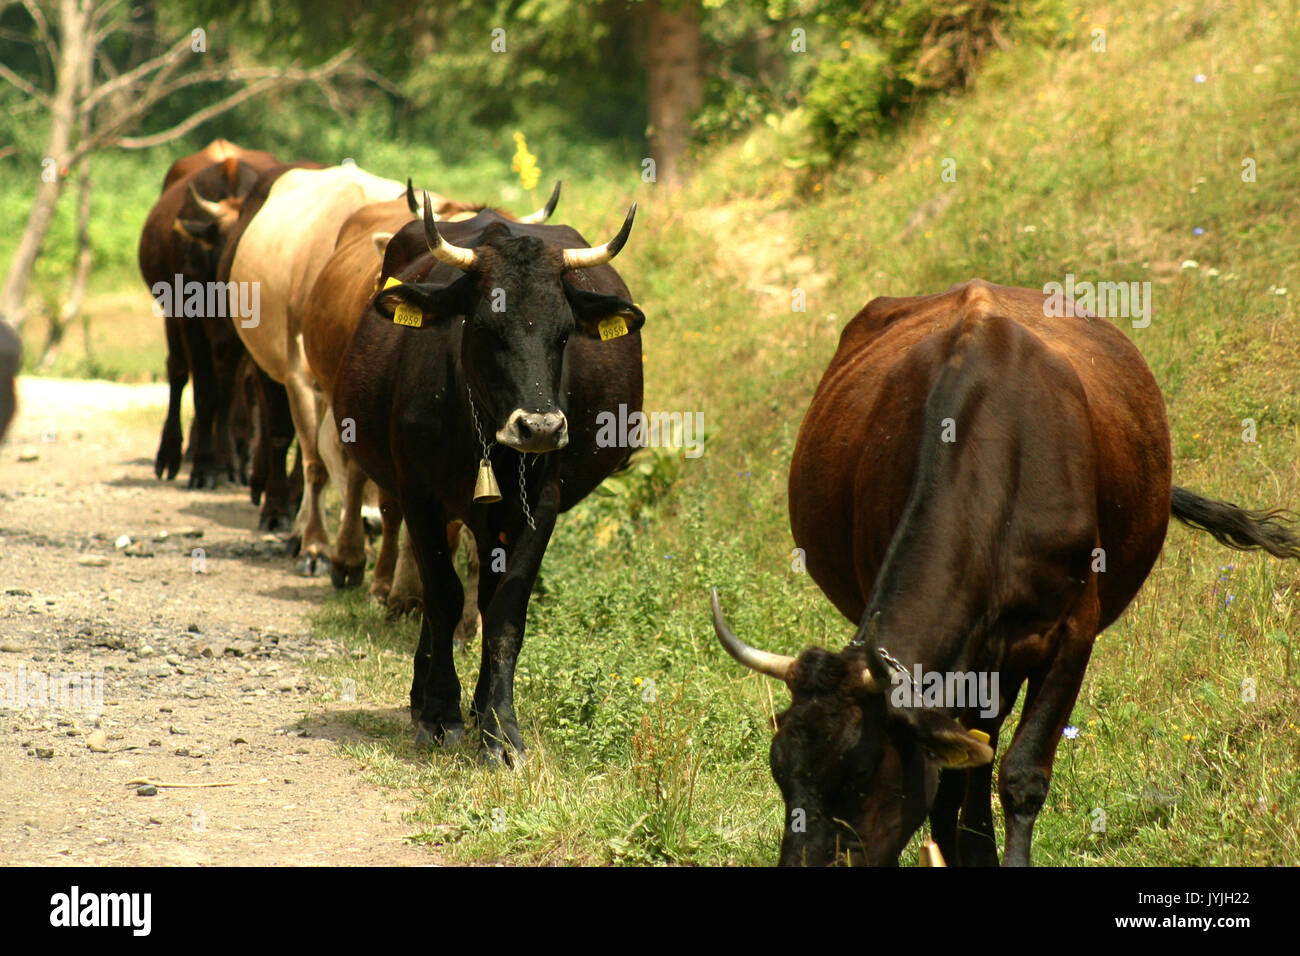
{"x":599,"y":255}
{"x":443,"y":250}
{"x":211,"y":209}
{"x":544,"y":213}
{"x":774,"y":665}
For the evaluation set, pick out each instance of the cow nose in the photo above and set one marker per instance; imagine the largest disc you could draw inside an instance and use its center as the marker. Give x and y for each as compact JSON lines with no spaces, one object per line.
{"x":535,"y":431}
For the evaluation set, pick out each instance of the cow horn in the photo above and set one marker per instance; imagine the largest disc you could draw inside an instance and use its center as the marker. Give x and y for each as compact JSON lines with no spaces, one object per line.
{"x":544,"y":213}
{"x":774,"y":665}
{"x":411,"y":202}
{"x":599,"y":255}
{"x":211,"y":209}
{"x":443,"y":250}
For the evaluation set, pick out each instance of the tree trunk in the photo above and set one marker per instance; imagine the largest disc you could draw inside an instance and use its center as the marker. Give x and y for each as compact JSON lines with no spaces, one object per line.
{"x":676,"y":87}
{"x":75,"y":46}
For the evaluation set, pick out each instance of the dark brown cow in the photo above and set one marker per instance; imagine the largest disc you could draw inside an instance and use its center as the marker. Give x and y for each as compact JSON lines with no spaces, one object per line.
{"x":180,"y":239}
{"x":11,"y":356}
{"x":982,"y":489}
{"x":501,"y":358}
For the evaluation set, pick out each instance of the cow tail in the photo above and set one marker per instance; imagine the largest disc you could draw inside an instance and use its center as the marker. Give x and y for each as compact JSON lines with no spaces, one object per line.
{"x":1236,"y":527}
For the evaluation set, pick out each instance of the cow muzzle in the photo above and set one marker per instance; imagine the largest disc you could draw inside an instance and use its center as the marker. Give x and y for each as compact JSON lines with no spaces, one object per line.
{"x":535,"y":432}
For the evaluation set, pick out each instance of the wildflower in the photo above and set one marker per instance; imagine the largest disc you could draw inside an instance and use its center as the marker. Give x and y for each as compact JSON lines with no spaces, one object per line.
{"x":1191,"y":264}
{"x":1069,"y":733}
{"x":1199,"y":78}
{"x":1198,"y":231}
{"x":1189,"y":737}
{"x":636,"y":681}
{"x":525,"y":163}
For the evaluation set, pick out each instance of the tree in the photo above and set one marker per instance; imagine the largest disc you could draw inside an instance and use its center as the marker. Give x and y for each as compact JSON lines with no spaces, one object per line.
{"x":675,"y":83}
{"x":92,"y":105}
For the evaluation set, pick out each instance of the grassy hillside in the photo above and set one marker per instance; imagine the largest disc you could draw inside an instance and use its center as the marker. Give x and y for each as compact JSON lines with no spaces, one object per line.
{"x":1116,"y":165}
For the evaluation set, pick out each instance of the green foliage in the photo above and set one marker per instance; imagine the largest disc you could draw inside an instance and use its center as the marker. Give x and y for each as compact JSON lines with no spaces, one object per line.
{"x":897,"y":53}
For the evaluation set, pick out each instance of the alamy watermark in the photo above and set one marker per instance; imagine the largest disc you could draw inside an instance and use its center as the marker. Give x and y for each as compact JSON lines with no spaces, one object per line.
{"x":950,"y":690}
{"x":1108,"y":300}
{"x":31,"y":689}
{"x":219,"y":300}
{"x":640,"y":429}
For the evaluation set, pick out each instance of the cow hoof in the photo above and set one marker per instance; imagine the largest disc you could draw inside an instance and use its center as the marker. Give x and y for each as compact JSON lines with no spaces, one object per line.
{"x":494,"y":755}
{"x":203,"y":479}
{"x":431,"y":736}
{"x":314,"y":565}
{"x":274,"y":520}
{"x":342,"y":576}
{"x":292,"y":545}
{"x":400,"y":607}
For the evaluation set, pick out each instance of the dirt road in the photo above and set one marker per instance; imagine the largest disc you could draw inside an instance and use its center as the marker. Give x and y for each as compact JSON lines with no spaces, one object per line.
{"x":201,"y":655}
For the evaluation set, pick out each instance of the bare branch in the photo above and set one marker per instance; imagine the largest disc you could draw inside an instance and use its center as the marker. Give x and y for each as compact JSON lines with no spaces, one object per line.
{"x":42,"y":29}
{"x":170,"y":58}
{"x":270,"y":80}
{"x":18,"y":81}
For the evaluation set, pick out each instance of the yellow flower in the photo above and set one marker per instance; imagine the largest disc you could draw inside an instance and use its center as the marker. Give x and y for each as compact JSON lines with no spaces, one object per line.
{"x":1188,"y":737}
{"x":525,"y":164}
{"x":637,"y":681}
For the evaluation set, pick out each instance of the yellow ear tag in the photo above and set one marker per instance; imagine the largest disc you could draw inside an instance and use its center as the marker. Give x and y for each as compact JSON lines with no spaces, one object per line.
{"x":611,"y":328}
{"x":392,"y":281}
{"x":407,"y":314}
{"x":979,"y":735}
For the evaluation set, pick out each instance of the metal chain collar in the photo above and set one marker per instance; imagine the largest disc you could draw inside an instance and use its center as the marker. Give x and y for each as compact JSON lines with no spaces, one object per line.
{"x":487,"y":451}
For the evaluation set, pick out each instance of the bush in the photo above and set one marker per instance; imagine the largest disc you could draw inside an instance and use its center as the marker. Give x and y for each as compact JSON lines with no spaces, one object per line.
{"x":915,"y":48}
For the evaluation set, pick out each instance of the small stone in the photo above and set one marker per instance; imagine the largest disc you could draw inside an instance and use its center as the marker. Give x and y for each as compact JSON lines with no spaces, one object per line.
{"x":239,"y":740}
{"x":29,"y":453}
{"x":122,"y":541}
{"x":138,"y":551}
{"x":159,"y":672}
{"x":286,"y":684}
{"x":190,"y":532}
{"x":155,"y":821}
{"x":45,"y":753}
{"x":9,"y":647}
{"x":181,"y":751}
{"x":144,"y":650}
{"x":178,"y":730}
{"x":102,"y":841}
{"x":147,"y":790}
{"x":97,"y":742}
{"x":18,"y":592}
{"x":93,"y":561}
{"x":173,"y":659}
{"x":155,"y":743}
{"x":161,"y":536}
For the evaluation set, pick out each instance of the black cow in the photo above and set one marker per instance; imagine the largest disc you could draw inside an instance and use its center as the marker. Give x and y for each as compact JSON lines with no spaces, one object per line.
{"x":513,"y":338}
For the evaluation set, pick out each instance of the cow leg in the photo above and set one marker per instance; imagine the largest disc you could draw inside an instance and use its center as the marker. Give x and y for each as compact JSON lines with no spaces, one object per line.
{"x":315,"y":542}
{"x":203,"y":473}
{"x":227,"y":351}
{"x":407,"y":593}
{"x":381,"y":582}
{"x":1026,"y":769}
{"x":277,"y":429}
{"x":505,"y":618}
{"x":168,"y":458}
{"x":469,"y":616}
{"x":348,"y":559}
{"x":976,"y":844}
{"x":435,"y":688}
{"x":943,"y":812}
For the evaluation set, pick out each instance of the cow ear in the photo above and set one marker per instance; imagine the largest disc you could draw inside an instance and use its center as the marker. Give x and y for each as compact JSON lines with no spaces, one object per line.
{"x":422,"y":304}
{"x":603,"y":316}
{"x":947,"y":742}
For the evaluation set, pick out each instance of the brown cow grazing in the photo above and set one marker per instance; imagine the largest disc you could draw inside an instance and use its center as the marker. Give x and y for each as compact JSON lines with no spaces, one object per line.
{"x":982,"y":489}
{"x":181,"y":238}
{"x":490,"y":350}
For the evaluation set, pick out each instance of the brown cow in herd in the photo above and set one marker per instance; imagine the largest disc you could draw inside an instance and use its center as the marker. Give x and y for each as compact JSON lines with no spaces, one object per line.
{"x":181,"y":238}
{"x":982,"y":490}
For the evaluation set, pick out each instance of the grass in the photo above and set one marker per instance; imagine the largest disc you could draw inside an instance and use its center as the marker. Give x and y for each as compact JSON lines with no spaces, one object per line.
{"x":1099,"y":164}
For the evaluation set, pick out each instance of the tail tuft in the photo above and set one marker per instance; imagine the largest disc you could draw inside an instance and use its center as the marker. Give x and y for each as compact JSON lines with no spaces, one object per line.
{"x":1271,"y":531}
